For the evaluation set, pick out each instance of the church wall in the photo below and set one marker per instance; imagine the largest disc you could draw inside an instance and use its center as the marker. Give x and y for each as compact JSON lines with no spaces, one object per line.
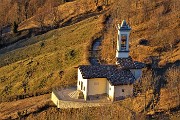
{"x":79,"y":80}
{"x":82,"y":84}
{"x":122,"y":54}
{"x":123,"y":90}
{"x":137,"y":73}
{"x":110,"y":91}
{"x":97,"y":86}
{"x":119,"y":40}
{"x":85,"y":88}
{"x":107,"y":87}
{"x":54,"y":99}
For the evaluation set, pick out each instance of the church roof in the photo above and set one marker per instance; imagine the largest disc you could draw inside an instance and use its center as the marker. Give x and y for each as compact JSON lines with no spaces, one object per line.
{"x":128,"y":63}
{"x":114,"y":74}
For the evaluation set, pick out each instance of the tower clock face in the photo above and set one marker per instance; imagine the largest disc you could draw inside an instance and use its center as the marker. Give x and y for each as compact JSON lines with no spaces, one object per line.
{"x":123,"y":42}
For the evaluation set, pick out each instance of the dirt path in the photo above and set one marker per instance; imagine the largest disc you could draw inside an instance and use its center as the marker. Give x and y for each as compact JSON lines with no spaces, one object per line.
{"x":94,"y":53}
{"x":26,"y":106}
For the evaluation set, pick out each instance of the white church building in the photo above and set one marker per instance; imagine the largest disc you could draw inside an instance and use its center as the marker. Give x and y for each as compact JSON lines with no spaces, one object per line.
{"x":115,"y":81}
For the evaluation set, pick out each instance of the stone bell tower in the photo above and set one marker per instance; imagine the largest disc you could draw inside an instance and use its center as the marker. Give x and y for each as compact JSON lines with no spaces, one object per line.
{"x":123,"y":40}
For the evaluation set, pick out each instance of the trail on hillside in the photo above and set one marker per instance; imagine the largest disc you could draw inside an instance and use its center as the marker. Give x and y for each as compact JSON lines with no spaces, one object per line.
{"x":94,"y":52}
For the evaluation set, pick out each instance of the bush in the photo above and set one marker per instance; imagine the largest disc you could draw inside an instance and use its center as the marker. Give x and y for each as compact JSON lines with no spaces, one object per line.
{"x":143,"y":42}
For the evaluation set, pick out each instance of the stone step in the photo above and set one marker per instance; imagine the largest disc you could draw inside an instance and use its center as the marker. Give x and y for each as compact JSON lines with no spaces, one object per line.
{"x":76,"y":94}
{"x":72,"y":93}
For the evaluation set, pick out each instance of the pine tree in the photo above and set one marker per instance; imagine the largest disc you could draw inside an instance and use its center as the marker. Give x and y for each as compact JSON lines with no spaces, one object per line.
{"x":15,"y":27}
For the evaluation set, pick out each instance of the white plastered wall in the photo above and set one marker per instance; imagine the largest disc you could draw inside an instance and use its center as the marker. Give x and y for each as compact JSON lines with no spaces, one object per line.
{"x":85,"y":88}
{"x":55,"y":99}
{"x":85,"y":84}
{"x":128,"y":90}
{"x":97,"y":86}
{"x":110,"y":90}
{"x":80,"y":78}
{"x":118,"y":53}
{"x":122,"y":54}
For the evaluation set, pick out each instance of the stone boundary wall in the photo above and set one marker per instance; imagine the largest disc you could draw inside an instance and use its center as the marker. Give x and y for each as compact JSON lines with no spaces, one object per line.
{"x":73,"y":104}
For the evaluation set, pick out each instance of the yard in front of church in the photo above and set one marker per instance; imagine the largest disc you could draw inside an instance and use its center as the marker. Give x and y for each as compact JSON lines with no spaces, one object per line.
{"x":68,"y":98}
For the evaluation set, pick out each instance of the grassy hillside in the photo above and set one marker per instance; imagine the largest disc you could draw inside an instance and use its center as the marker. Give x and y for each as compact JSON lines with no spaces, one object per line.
{"x":18,"y":108}
{"x":48,"y":60}
{"x":114,"y":112}
{"x":33,"y":65}
{"x":156,"y":22}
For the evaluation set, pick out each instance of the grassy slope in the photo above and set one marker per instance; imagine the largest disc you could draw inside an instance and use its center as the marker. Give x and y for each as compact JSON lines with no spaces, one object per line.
{"x":78,"y":7}
{"x":141,"y":30}
{"x":160,"y":29}
{"x":23,"y":107}
{"x":39,"y":64}
{"x":41,"y":108}
{"x":113,"y":112}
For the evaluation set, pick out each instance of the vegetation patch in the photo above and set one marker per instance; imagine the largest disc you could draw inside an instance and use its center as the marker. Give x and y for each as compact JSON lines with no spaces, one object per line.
{"x":34,"y":67}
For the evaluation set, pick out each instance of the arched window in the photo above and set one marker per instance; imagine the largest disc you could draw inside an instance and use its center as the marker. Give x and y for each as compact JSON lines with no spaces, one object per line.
{"x":123,"y":42}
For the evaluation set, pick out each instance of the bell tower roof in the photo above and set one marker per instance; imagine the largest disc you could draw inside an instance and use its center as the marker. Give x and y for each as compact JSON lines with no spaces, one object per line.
{"x":124,"y":26}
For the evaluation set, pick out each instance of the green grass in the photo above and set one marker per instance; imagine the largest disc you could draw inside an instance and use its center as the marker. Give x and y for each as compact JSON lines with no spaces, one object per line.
{"x":38,"y":61}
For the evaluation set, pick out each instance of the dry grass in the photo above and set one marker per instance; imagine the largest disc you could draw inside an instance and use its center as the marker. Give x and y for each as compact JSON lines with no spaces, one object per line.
{"x":114,"y":112}
{"x":47,"y":61}
{"x":168,"y":100}
{"x":170,"y":95}
{"x":160,"y":29}
{"x":78,"y":7}
{"x":26,"y":106}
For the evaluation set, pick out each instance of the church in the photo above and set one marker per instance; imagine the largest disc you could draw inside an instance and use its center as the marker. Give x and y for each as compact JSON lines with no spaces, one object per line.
{"x":115,"y":81}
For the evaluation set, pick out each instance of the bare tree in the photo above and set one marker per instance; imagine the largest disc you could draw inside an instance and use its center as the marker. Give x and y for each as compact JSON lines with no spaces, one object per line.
{"x":145,"y":85}
{"x":145,"y":11}
{"x":173,"y":79}
{"x":158,"y":21}
{"x":19,"y":11}
{"x":123,"y":9}
{"x":4,"y":8}
{"x":136,"y":3}
{"x":40,"y":19}
{"x":26,"y":6}
{"x":56,"y":17}
{"x":96,"y":1}
{"x":1,"y":27}
{"x":106,"y":2}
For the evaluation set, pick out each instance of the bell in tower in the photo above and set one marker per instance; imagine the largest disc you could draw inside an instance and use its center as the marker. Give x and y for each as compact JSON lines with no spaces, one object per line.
{"x":123,"y":40}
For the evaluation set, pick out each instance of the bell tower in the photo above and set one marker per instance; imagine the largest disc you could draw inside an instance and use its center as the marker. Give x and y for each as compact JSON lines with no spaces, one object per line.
{"x":123,"y":40}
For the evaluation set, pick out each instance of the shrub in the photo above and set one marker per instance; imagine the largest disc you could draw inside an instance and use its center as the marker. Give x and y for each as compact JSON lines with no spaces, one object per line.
{"x":143,"y":42}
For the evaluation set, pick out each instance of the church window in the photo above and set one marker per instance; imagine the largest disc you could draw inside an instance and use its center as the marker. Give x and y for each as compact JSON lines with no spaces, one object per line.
{"x":79,"y":82}
{"x":123,"y":42}
{"x":81,"y":85}
{"x":122,"y":90}
{"x":84,"y":88}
